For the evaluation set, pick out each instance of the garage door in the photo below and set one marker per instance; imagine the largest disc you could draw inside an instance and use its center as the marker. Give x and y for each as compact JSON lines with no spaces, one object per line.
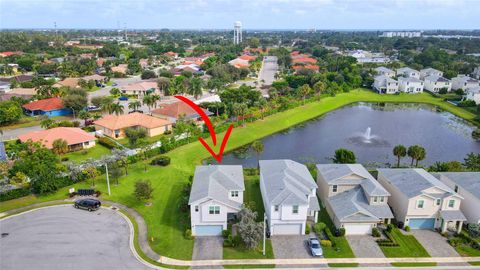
{"x":208,"y":230}
{"x":287,"y":229}
{"x":422,"y":223}
{"x":351,"y":229}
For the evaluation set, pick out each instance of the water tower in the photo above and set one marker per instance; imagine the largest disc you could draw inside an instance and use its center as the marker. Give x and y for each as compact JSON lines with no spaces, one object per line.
{"x":237,"y":32}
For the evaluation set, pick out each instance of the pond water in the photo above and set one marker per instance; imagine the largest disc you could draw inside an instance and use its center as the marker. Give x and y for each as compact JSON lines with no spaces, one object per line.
{"x":371,"y":130}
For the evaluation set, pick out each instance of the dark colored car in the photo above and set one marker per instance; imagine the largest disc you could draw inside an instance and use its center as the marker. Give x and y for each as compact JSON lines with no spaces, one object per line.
{"x":88,"y":204}
{"x":123,"y":98}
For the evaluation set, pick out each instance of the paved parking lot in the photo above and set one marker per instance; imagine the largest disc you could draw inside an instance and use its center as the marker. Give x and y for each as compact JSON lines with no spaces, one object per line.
{"x":364,"y":246}
{"x":63,"y":237}
{"x":435,"y":244}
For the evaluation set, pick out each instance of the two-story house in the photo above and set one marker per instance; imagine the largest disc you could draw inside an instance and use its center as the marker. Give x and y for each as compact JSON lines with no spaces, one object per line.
{"x":352,"y":197}
{"x":289,"y":195}
{"x":464,"y":82}
{"x":384,"y":71}
{"x":216,"y":197}
{"x":434,"y":83}
{"x":429,"y":72}
{"x":408,"y":72}
{"x":421,"y":201}
{"x":410,"y":85}
{"x":467,"y":184}
{"x":385,"y":85}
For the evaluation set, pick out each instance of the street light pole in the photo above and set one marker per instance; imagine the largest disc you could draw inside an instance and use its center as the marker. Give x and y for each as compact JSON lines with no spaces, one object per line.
{"x":264,"y":231}
{"x":108,"y":180}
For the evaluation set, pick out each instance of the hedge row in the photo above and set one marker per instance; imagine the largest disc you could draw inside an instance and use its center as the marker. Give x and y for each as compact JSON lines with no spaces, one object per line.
{"x":14,"y":193}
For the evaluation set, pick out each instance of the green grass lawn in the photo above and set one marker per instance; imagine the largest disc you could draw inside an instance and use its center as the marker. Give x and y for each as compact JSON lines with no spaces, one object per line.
{"x":253,"y":195}
{"x":408,"y":246}
{"x":342,"y":248}
{"x":166,"y":224}
{"x":467,"y":250}
{"x":248,"y":266}
{"x":30,"y":121}
{"x":95,"y":152}
{"x":230,"y":253}
{"x":413,"y":264}
{"x":475,"y":263}
{"x":339,"y":265}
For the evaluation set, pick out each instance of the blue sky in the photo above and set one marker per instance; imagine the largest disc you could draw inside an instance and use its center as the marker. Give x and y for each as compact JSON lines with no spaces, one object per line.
{"x":255,"y":14}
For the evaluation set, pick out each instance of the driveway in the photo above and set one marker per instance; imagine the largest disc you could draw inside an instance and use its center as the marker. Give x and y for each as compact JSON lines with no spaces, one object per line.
{"x":208,"y":248}
{"x":12,"y":134}
{"x":364,"y":246}
{"x":435,"y":244}
{"x":63,"y":237}
{"x":290,"y":246}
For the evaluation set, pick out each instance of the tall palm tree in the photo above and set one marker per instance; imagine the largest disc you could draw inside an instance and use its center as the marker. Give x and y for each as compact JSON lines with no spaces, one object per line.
{"x":84,"y":115}
{"x":399,"y":151}
{"x":240,"y":110}
{"x":196,"y":87}
{"x":414,"y":152}
{"x":258,"y":147}
{"x":422,"y":154}
{"x":116,"y":108}
{"x":134,"y":105}
{"x":318,"y":88}
{"x":107,"y":104}
{"x":149,"y":101}
{"x":156,"y":98}
{"x":304,"y":91}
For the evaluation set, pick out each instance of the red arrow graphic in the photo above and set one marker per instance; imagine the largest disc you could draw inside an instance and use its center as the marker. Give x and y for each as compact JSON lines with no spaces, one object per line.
{"x":207,"y":121}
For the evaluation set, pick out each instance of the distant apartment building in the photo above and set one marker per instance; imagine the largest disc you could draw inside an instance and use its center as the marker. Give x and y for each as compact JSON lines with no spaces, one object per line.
{"x":406,"y":34}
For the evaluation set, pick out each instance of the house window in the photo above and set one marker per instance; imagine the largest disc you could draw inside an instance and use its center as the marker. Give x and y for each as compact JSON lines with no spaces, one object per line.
{"x":86,"y":143}
{"x":375,"y":199}
{"x":451,"y":203}
{"x":196,"y":208}
{"x":276,"y":208}
{"x":437,"y":201}
{"x":382,"y":199}
{"x":420,"y":203}
{"x":295,"y":209}
{"x":456,"y":188}
{"x":214,"y":210}
{"x":234,"y":193}
{"x":334,"y":188}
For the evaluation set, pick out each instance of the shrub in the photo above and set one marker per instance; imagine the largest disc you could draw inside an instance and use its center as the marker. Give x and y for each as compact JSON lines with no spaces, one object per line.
{"x":407,"y":228}
{"x":325,"y":243}
{"x":319,"y":227}
{"x":188,"y":234}
{"x":341,"y":232}
{"x":399,"y":224}
{"x":443,"y":91}
{"x":390,"y":227}
{"x":226,"y":233}
{"x":375,"y":232}
{"x":161,"y":161}
{"x":14,"y":193}
{"x":330,"y":236}
{"x":474,"y":230}
{"x":454,"y":242}
{"x":108,"y":143}
{"x":307,"y":229}
{"x":467,"y":103}
{"x":65,"y":159}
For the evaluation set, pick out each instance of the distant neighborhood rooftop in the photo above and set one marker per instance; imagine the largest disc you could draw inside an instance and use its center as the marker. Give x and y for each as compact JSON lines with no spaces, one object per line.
{"x":47,"y":137}
{"x":114,"y":122}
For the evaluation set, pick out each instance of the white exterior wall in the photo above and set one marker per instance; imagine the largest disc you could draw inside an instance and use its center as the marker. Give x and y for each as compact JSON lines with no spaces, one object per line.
{"x":88,"y":144}
{"x":410,"y":87}
{"x":426,"y":73}
{"x":470,"y":204}
{"x":398,"y":201}
{"x":473,"y":96}
{"x":459,"y":83}
{"x":436,"y":86}
{"x":203,"y":217}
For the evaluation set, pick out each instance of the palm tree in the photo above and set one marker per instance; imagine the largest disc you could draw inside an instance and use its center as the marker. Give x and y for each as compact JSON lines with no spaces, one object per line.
{"x":304,"y":91}
{"x":47,"y":123}
{"x":107,"y":104}
{"x":318,"y":88}
{"x":116,"y":108}
{"x":196,"y":87}
{"x":399,"y":151}
{"x":258,"y":147}
{"x":421,"y":155}
{"x":163,"y":84}
{"x":84,"y":115}
{"x":262,"y":105}
{"x":155,"y":98}
{"x":240,"y":109}
{"x":134,"y":105}
{"x":414,"y":152}
{"x":149,"y":101}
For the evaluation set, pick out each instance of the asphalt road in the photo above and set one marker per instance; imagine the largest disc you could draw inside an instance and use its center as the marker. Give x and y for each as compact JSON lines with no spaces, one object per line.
{"x":12,"y":134}
{"x":63,"y":237}
{"x":269,"y":68}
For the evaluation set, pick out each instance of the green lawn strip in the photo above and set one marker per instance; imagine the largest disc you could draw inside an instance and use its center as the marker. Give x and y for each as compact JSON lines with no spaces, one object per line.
{"x":408,"y":246}
{"x":342,"y":248}
{"x":166,"y":224}
{"x":30,"y":121}
{"x":253,"y":195}
{"x":248,"y":266}
{"x":238,"y":253}
{"x":343,"y":265}
{"x":413,"y":264}
{"x":466,"y":250}
{"x":474,"y":263}
{"x":95,"y":152}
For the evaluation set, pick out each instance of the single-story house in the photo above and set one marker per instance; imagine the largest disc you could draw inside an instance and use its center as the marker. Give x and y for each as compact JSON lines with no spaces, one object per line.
{"x":193,"y":68}
{"x":421,"y":201}
{"x":215,"y":198}
{"x":122,"y":68}
{"x":76,"y":138}
{"x":114,"y":125}
{"x":467,"y":184}
{"x":352,"y":197}
{"x":50,"y":107}
{"x":25,"y":93}
{"x":140,"y":88}
{"x":289,"y":195}
{"x":173,"y":111}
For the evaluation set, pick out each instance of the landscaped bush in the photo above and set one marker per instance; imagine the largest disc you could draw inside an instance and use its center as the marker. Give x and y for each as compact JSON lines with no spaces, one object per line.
{"x":375,"y":232}
{"x":330,"y":236}
{"x":341,"y":232}
{"x":108,"y":143}
{"x":467,"y":103}
{"x":226,"y":233}
{"x":390,"y":241}
{"x":473,"y":230}
{"x":390,"y":227}
{"x":161,"y":161}
{"x":250,"y":171}
{"x":307,"y":229}
{"x":399,"y":224}
{"x":64,"y":159}
{"x":319,"y":227}
{"x":14,"y":193}
{"x":407,"y":228}
{"x":454,"y":242}
{"x":188,"y":234}
{"x":325,"y":243}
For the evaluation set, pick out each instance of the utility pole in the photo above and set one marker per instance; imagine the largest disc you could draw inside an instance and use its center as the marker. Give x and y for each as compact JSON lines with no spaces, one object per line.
{"x":108,"y":180}
{"x":264,"y":231}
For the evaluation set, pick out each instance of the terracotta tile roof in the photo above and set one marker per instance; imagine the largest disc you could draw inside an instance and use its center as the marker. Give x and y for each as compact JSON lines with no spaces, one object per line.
{"x":47,"y":137}
{"x":23,"y":91}
{"x":68,"y":82}
{"x":312,"y":67}
{"x":177,"y":109}
{"x":304,"y":60}
{"x":114,"y":122}
{"x":122,"y":68}
{"x":171,"y":54}
{"x":143,"y":86}
{"x":94,"y":77}
{"x":46,"y":105}
{"x":247,"y":57}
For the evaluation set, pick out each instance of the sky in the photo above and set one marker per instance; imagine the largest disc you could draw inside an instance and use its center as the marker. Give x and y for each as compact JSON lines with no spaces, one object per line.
{"x":254,"y":14}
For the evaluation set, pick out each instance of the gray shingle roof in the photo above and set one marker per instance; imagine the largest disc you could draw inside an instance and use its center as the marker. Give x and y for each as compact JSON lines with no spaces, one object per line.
{"x":435,"y":78}
{"x":383,"y":69}
{"x":215,"y":181}
{"x":469,"y":181}
{"x":413,"y":182}
{"x":334,"y":174}
{"x":409,"y":79}
{"x":352,"y":205}
{"x":286,"y":182}
{"x":452,"y":215}
{"x":406,"y":69}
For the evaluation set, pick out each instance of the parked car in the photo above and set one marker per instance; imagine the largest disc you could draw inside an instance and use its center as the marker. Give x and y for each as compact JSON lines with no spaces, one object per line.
{"x":92,"y":108}
{"x":315,"y":247}
{"x":123,"y":98}
{"x":88,"y":204}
